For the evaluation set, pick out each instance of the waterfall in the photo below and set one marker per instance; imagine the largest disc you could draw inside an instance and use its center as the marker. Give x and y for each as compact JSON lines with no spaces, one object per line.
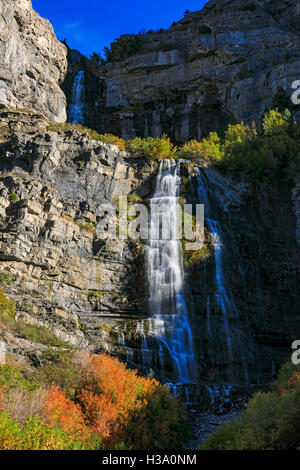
{"x":223,"y":294}
{"x":169,"y":323}
{"x":76,"y":106}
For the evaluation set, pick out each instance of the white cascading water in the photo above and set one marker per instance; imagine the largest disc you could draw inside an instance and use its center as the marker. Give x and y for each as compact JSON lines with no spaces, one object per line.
{"x":169,"y":323}
{"x":76,"y":106}
{"x":222,"y":296}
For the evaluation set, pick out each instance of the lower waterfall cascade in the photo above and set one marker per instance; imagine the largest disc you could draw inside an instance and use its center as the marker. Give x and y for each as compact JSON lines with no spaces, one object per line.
{"x":168,"y":326}
{"x":223,"y":295}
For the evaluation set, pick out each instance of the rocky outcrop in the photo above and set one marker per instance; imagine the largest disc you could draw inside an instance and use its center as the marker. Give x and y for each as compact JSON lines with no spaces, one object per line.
{"x":220,"y":64}
{"x":64,"y":277}
{"x":260,"y":272}
{"x":33,"y":61}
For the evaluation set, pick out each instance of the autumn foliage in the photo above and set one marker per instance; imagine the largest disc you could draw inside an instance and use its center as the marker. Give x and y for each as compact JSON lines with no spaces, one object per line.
{"x":111,"y":408}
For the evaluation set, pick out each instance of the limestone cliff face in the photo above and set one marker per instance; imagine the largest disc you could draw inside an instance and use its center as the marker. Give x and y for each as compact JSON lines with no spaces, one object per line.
{"x":33,"y":62}
{"x":222,"y":63}
{"x":64,"y":277}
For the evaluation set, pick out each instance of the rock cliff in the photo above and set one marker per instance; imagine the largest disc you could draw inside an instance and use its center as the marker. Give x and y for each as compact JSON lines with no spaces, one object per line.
{"x":220,"y":64}
{"x":33,"y":61}
{"x":186,"y":81}
{"x":62,"y":274}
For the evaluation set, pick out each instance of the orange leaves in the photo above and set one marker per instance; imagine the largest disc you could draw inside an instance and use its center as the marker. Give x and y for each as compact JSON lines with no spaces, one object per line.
{"x":62,"y":412}
{"x":114,"y":394}
{"x":99,"y":411}
{"x":112,"y":408}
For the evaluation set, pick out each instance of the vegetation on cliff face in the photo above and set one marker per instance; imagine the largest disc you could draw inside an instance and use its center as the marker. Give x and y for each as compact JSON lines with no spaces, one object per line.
{"x":272,"y":146}
{"x":269,"y":147}
{"x":271,"y":420}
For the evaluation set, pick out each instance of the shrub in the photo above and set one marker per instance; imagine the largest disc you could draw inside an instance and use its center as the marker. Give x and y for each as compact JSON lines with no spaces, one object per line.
{"x":92,"y":134}
{"x":50,"y":355}
{"x":13,"y":197}
{"x":123,"y":47}
{"x":123,"y":407}
{"x":271,"y":420}
{"x":62,"y":372}
{"x":21,"y":404}
{"x":33,"y":436}
{"x":12,"y":378}
{"x":63,"y":413}
{"x":5,"y":278}
{"x":133,"y":198}
{"x":155,"y":148}
{"x":209,"y":149}
{"x":87,"y":227}
{"x":7,"y":308}
{"x":38,"y":334}
{"x":107,"y":406}
{"x":274,"y":123}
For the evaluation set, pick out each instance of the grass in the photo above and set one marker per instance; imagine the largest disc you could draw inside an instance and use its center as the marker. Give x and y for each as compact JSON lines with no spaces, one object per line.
{"x":6,"y":278}
{"x":87,"y":227}
{"x":191,"y":257}
{"x":97,"y":294}
{"x":38,"y":334}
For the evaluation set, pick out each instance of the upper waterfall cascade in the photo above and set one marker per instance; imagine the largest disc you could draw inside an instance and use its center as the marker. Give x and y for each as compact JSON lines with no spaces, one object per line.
{"x":76,"y":107}
{"x":169,"y":323}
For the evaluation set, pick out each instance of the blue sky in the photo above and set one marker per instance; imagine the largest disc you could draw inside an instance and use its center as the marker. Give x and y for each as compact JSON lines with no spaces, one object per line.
{"x":89,"y":25}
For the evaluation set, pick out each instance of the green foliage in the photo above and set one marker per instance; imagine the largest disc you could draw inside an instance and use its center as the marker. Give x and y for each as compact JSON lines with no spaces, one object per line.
{"x":12,"y":378}
{"x":161,"y":424}
{"x":209,"y":149}
{"x":34,"y":436}
{"x":50,"y":355}
{"x":92,"y":134}
{"x":98,"y":294}
{"x":191,"y":257}
{"x":123,"y":47}
{"x":38,"y":334}
{"x":62,"y":372}
{"x":133,"y":198}
{"x":155,"y":148}
{"x":281,"y":101}
{"x":13,"y":197}
{"x":108,"y":328}
{"x":271,"y":420}
{"x":275,"y":123}
{"x":87,"y":227}
{"x":7,"y":308}
{"x":271,"y":149}
{"x":5,"y":278}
